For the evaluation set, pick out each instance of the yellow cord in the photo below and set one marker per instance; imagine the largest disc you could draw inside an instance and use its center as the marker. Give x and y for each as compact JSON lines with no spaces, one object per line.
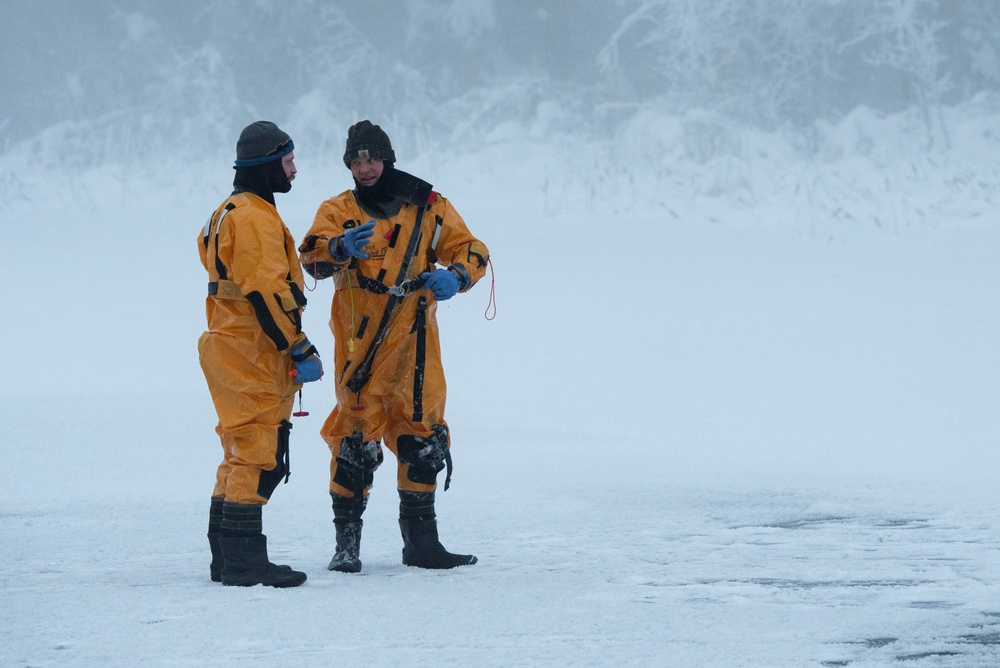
{"x":350,"y":291}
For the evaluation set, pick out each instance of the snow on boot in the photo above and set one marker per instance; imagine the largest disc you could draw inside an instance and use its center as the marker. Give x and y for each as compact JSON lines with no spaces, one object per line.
{"x":421,"y":547}
{"x":347,"y":511}
{"x":244,"y":551}
{"x":346,"y":558}
{"x":214,"y":531}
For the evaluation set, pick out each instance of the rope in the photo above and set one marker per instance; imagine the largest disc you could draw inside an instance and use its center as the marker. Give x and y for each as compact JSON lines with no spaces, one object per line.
{"x":350,"y":291}
{"x":493,"y":297}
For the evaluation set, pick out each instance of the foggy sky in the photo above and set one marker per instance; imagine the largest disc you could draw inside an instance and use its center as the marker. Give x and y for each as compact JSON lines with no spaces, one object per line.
{"x":180,"y":69}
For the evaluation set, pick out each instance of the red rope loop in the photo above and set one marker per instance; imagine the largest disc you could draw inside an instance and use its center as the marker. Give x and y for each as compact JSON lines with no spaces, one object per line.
{"x":315,"y":280}
{"x":493,"y":297}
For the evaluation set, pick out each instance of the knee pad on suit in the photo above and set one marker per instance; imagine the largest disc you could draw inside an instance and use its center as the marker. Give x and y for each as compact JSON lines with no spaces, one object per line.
{"x":424,"y":455}
{"x":357,"y":462}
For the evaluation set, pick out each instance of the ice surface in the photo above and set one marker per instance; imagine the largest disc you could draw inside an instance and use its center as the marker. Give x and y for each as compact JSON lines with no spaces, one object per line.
{"x":733,"y":411}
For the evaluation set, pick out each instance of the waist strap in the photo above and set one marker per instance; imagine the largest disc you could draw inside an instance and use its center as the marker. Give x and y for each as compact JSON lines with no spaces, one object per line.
{"x":404,"y":289}
{"x":371,"y":285}
{"x":225,"y":290}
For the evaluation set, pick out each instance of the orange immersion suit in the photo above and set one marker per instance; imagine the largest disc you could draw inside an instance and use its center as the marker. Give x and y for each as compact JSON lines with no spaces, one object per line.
{"x":254,"y":309}
{"x":387,"y":364}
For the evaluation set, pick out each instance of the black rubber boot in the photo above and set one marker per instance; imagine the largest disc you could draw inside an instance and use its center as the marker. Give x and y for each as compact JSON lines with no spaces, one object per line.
{"x":346,"y":558}
{"x":421,"y":546}
{"x":214,"y":531}
{"x":347,"y":521}
{"x":244,"y":551}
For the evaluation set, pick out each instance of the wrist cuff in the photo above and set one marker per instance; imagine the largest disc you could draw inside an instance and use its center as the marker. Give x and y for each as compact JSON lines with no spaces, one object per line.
{"x":464,"y":282}
{"x":302,"y":351}
{"x":337,"y":252}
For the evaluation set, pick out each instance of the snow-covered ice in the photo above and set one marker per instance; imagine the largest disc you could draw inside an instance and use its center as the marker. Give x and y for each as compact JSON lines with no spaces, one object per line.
{"x":736,"y":412}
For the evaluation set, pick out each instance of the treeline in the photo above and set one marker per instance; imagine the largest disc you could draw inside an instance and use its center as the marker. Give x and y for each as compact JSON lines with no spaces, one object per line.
{"x":795,"y":61}
{"x":141,"y":76}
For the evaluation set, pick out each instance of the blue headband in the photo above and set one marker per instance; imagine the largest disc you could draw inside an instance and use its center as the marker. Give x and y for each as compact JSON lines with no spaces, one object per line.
{"x":279,"y":152}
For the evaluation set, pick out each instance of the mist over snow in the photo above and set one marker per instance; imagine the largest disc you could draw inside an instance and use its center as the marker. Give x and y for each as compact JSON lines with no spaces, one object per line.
{"x":738,"y":406}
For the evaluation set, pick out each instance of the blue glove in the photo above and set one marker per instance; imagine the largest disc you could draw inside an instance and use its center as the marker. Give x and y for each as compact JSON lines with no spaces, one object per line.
{"x":443,"y":283}
{"x":353,"y":242}
{"x":308,"y":370}
{"x":308,"y":366}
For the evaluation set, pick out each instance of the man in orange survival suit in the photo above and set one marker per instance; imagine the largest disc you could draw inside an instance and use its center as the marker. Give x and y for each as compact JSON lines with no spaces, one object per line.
{"x":390,"y":382}
{"x":254,"y":354}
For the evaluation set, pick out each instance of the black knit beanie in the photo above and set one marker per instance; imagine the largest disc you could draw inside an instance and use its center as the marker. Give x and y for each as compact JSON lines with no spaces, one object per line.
{"x":365,"y":140}
{"x":260,"y":143}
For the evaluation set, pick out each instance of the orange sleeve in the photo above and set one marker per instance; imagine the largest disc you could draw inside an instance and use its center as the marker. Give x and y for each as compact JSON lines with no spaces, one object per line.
{"x":314,"y":251}
{"x":456,"y":244}
{"x":260,"y":267}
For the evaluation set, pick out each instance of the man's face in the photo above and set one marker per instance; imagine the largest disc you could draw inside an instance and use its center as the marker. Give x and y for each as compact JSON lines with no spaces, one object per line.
{"x":367,"y":171}
{"x":288,"y":164}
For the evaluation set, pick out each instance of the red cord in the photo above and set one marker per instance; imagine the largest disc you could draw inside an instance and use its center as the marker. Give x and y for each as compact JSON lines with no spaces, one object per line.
{"x":315,"y":280}
{"x":493,"y":297}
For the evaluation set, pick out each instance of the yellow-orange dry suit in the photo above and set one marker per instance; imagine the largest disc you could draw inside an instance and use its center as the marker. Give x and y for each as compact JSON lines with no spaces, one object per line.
{"x":401,"y":400}
{"x":254,"y":309}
